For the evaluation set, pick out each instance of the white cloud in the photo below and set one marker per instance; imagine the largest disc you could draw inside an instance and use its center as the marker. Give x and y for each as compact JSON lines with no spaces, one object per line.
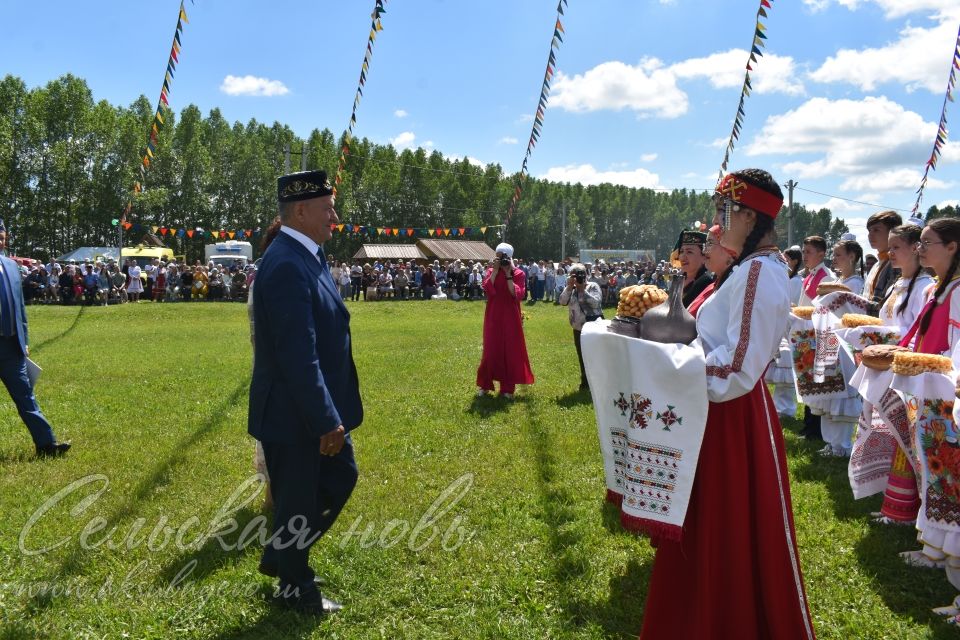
{"x":252,"y":86}
{"x":470,"y":159}
{"x":890,"y":8}
{"x":649,"y":89}
{"x":428,"y":144}
{"x":725,"y":70}
{"x":586,"y":174}
{"x":507,"y":140}
{"x":648,"y":157}
{"x":916,"y":60}
{"x":404,"y":140}
{"x":851,"y":138}
{"x":836,"y":205}
{"x":400,"y":113}
{"x":890,"y":180}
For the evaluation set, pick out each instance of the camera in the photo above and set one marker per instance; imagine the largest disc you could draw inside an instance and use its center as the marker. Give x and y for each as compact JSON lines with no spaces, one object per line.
{"x":504,"y":261}
{"x":580,"y":277}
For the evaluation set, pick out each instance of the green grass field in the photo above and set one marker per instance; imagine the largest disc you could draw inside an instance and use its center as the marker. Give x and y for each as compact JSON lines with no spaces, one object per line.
{"x":520,"y":545}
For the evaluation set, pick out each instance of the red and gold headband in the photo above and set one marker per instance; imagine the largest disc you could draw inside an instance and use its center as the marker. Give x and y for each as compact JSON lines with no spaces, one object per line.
{"x":749,"y":196}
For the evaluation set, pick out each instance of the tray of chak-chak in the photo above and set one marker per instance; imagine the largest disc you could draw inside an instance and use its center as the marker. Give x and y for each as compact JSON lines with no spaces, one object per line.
{"x":908,"y":363}
{"x":635,"y":301}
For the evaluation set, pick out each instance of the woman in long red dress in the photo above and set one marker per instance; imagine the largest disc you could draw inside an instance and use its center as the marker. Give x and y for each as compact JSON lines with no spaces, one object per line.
{"x":504,"y":349}
{"x":735,"y":573}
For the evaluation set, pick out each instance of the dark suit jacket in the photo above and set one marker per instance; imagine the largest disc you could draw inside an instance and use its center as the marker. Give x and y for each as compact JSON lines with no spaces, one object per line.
{"x":14,"y":283}
{"x":886,"y":277}
{"x":304,"y":380}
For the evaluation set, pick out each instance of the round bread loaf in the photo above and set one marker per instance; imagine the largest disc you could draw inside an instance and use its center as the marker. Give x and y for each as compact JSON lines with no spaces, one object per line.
{"x":879,"y":356}
{"x":802,"y":312}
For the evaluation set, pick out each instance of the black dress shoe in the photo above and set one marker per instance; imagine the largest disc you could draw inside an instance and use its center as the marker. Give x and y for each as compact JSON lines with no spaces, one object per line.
{"x":271,"y":571}
{"x":268,"y":569}
{"x":312,"y":604}
{"x":53,"y":450}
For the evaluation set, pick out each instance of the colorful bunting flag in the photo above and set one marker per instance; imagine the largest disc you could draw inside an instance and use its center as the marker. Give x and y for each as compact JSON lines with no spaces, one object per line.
{"x":162,"y":103}
{"x":375,"y":26}
{"x":942,"y":131}
{"x":759,"y":38}
{"x":536,"y":130}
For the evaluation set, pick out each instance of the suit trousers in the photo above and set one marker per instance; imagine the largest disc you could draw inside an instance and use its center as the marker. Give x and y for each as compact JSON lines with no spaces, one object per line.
{"x":313,"y":486}
{"x":13,"y":372}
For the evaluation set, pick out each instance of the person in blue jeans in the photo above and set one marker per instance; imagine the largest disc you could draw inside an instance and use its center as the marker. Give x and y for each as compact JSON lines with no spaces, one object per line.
{"x":13,"y":356}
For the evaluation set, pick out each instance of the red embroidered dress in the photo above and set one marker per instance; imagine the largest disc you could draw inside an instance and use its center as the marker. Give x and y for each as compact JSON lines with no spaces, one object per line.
{"x":736,"y":571}
{"x":504,"y":348}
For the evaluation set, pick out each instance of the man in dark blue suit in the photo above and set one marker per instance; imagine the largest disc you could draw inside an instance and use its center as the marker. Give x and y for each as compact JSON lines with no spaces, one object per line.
{"x":13,"y":356}
{"x":304,"y":395}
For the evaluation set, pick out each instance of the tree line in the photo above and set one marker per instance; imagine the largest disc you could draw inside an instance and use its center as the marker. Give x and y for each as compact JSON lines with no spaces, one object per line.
{"x":68,"y":164}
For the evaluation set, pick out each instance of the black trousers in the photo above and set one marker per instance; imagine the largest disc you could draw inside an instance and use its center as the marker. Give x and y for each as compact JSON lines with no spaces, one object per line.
{"x":583,"y":372}
{"x":312,"y":489}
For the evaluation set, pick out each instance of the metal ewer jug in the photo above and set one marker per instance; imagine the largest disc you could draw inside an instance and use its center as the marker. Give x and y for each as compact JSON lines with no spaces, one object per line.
{"x":670,"y":322}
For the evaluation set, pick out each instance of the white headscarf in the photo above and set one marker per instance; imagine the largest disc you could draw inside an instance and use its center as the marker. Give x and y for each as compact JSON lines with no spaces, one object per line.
{"x":505,"y":249}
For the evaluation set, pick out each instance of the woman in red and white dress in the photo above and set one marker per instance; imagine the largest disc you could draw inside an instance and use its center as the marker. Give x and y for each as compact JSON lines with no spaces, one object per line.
{"x":736,"y":570}
{"x":900,"y":308}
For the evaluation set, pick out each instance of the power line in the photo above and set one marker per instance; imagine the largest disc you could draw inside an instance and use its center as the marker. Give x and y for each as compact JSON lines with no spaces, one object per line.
{"x":504,"y":176}
{"x":869,"y":204}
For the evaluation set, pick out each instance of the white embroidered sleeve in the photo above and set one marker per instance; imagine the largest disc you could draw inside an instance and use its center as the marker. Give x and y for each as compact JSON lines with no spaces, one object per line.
{"x":953,"y":330}
{"x":756,"y":324}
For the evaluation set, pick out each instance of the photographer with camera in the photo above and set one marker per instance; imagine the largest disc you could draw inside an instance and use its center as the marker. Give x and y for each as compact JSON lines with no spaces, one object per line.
{"x":582,"y":299}
{"x":504,"y":348}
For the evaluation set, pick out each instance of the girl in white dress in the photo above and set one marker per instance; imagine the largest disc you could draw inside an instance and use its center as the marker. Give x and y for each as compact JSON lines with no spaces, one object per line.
{"x":901,"y":306}
{"x":848,"y":260}
{"x":135,"y":286}
{"x":904,"y":300}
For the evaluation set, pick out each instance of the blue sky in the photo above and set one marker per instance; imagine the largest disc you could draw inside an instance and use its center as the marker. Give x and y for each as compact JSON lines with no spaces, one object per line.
{"x":846,"y":100}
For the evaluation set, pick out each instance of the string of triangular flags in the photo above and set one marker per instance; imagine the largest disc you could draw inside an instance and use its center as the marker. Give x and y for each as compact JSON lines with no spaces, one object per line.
{"x":375,"y":27}
{"x":942,"y":128}
{"x":755,"y":52}
{"x":163,"y":105}
{"x":356,"y":229}
{"x":412,"y":232}
{"x":194,"y":232}
{"x":541,"y":108}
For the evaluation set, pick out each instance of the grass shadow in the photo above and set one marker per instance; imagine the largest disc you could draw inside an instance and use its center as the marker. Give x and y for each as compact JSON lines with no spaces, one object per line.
{"x":278,"y":622}
{"x":832,"y":474}
{"x":569,"y":560}
{"x":908,"y":591}
{"x":197,"y":564}
{"x":488,"y":405}
{"x":62,"y":335}
{"x":156,"y":476}
{"x":575,"y":398}
{"x":621,"y":614}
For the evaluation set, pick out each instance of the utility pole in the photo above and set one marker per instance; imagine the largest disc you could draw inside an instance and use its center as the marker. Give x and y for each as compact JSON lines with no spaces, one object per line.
{"x":303,"y":157}
{"x":563,"y":232}
{"x":790,"y":185}
{"x":287,"y":152}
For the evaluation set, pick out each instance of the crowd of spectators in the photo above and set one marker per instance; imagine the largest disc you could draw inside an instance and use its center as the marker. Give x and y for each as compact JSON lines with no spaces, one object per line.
{"x":105,"y":282}
{"x":462,"y":280}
